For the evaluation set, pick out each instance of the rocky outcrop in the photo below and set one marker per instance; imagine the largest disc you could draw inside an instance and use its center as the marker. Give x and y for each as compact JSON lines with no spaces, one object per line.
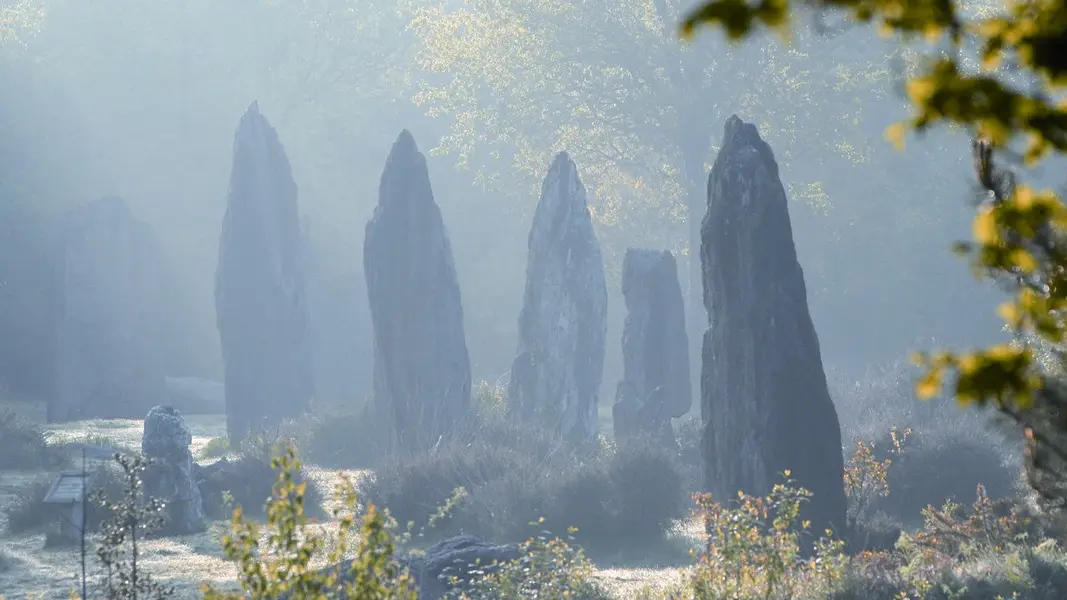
{"x":169,"y":477}
{"x":108,"y":363}
{"x":260,"y":287}
{"x":655,"y":348}
{"x":562,"y":328}
{"x":422,"y":372}
{"x":765,"y":402}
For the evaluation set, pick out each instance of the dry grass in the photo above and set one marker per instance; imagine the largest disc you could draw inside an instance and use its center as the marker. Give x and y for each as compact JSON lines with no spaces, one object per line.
{"x":186,"y":561}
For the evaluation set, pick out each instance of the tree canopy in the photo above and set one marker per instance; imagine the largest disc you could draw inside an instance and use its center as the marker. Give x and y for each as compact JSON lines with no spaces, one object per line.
{"x":639,"y":112}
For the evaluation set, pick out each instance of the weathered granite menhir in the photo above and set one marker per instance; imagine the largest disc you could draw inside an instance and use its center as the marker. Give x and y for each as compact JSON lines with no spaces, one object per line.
{"x":655,"y":349}
{"x":557,"y":371}
{"x":765,"y":402}
{"x":170,"y":475}
{"x":110,"y":321}
{"x":260,"y":298}
{"x":422,"y":372}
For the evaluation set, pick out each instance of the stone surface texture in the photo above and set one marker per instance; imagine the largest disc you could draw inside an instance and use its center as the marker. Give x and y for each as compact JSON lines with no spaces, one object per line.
{"x":170,"y":475}
{"x":559,"y":364}
{"x":260,"y":297}
{"x":422,"y":372}
{"x":655,"y":348}
{"x":764,"y":398}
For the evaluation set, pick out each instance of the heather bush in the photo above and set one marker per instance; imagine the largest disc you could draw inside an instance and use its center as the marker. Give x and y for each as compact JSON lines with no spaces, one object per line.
{"x":549,"y":567}
{"x":342,"y":440}
{"x":512,"y":474}
{"x":753,"y":549}
{"x":28,"y":513}
{"x":949,"y":452}
{"x":247,"y":480}
{"x":24,"y":447}
{"x":944,"y":465}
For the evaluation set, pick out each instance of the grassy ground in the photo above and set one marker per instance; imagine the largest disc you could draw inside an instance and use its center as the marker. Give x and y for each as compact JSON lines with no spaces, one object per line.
{"x":34,"y":571}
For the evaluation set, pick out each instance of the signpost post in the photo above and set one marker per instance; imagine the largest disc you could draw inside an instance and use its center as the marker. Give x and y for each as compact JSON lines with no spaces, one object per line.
{"x":69,"y":489}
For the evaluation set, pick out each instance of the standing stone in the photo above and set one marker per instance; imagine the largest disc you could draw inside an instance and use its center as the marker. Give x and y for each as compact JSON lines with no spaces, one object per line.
{"x":655,"y":348}
{"x":765,"y":403}
{"x":169,"y":477}
{"x":259,"y":287}
{"x":422,"y":372}
{"x":108,"y":363}
{"x":562,"y":328}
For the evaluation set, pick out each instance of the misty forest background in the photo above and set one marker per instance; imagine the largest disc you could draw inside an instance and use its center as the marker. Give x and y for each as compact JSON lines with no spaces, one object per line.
{"x":139,"y":99}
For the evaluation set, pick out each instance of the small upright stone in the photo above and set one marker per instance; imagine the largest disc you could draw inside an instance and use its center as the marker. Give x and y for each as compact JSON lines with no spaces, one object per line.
{"x":422,"y":371}
{"x":169,"y":477}
{"x":559,"y":364}
{"x":655,"y":348}
{"x":765,"y":403}
{"x":260,"y":300}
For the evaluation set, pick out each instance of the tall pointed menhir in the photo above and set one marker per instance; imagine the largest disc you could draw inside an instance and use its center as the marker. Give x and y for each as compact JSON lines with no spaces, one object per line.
{"x":562,"y":328}
{"x":422,"y":372}
{"x":765,"y":404}
{"x":260,"y":287}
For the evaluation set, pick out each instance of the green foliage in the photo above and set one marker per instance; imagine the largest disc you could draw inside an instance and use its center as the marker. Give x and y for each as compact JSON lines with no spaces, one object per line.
{"x":24,"y":446}
{"x":867,"y":477}
{"x":548,"y":567}
{"x":215,"y":448}
{"x":130,"y":519}
{"x":276,"y":560}
{"x":637,"y":111}
{"x":753,"y":548}
{"x":490,"y":401}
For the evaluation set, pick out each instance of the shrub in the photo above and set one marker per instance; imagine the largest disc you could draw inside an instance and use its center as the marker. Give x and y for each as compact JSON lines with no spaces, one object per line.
{"x":215,"y":448}
{"x":885,"y":398}
{"x":515,"y":474}
{"x":753,"y":549}
{"x":248,"y":480}
{"x":281,"y":567}
{"x":28,"y":512}
{"x":547,"y":568}
{"x":355,"y":440}
{"x":23,"y":446}
{"x":490,"y":400}
{"x":342,"y":440}
{"x":867,"y":477}
{"x":940,"y":465}
{"x":130,"y":518}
